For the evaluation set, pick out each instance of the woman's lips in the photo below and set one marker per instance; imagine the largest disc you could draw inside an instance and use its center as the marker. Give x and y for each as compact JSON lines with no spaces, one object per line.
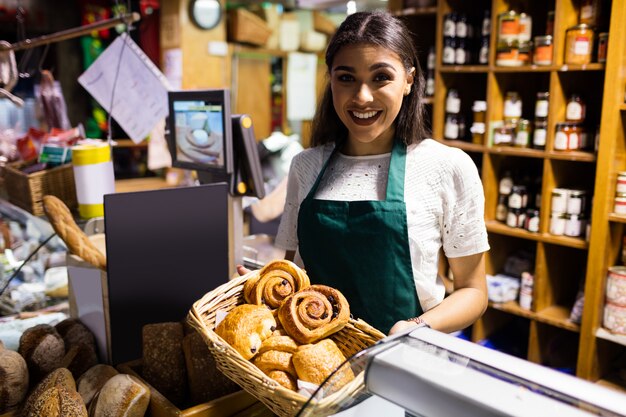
{"x":364,"y":118}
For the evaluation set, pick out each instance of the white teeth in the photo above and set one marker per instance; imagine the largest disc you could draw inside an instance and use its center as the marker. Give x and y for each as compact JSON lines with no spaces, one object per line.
{"x":365,"y":115}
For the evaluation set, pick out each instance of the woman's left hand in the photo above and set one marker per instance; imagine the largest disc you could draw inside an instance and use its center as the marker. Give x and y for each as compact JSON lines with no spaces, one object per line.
{"x":401,"y":325}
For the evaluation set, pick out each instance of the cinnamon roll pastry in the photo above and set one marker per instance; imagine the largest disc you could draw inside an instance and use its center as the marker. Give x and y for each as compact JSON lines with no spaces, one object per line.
{"x":315,"y":362}
{"x":275,"y":281}
{"x":274,"y":359}
{"x":246,"y":327}
{"x":314,"y":313}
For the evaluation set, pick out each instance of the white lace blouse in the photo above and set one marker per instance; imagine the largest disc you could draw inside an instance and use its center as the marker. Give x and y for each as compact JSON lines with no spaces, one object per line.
{"x":443,"y":194}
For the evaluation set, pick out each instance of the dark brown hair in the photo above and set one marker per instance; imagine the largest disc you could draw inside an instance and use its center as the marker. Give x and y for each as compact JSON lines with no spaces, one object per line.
{"x":380,"y":29}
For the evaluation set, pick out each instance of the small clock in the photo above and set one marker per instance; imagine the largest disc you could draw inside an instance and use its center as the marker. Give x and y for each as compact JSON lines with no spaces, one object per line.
{"x":206,"y":14}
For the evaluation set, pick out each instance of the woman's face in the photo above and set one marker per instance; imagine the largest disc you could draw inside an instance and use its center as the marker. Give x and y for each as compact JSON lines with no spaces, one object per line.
{"x":368,"y":83}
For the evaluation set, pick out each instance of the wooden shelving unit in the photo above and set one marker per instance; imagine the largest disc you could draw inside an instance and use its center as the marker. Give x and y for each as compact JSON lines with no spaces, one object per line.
{"x":561,"y":263}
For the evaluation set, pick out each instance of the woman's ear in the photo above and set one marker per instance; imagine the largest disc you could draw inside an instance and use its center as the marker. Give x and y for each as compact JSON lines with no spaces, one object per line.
{"x":410,"y":79}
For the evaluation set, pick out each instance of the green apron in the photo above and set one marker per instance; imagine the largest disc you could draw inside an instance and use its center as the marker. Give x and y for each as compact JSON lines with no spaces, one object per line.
{"x":362,"y":249}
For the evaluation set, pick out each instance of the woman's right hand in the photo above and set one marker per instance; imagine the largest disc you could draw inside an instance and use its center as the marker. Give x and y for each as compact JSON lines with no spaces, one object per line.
{"x":242,"y":270}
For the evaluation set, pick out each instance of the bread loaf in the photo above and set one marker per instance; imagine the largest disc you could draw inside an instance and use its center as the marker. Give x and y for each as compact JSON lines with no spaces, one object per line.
{"x":245,"y":328}
{"x":13,"y":379}
{"x":122,"y":396}
{"x":58,"y":377}
{"x":92,"y":380}
{"x":43,"y":350}
{"x":315,"y":362}
{"x":206,"y":382}
{"x":80,"y":346}
{"x":163,"y":360}
{"x":58,"y":401}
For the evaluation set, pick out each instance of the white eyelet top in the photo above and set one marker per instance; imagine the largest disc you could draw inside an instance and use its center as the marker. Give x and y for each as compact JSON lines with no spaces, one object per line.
{"x":443,"y":194}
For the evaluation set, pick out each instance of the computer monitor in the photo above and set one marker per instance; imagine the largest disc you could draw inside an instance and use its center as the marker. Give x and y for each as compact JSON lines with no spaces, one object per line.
{"x":200,"y":131}
{"x":203,"y":136}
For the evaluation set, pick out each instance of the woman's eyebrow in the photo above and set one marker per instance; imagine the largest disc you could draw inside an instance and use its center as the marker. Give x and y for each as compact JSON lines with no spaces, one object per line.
{"x":373,"y":67}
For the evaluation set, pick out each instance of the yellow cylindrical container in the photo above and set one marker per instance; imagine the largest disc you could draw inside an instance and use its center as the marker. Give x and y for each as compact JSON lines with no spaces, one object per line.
{"x":93,"y":175}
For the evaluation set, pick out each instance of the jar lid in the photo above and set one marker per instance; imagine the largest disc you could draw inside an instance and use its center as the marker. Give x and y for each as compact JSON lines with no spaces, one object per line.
{"x":519,"y":188}
{"x":621,"y":174}
{"x":558,"y":191}
{"x":582,"y":26}
{"x":508,"y":43}
{"x":479,"y":105}
{"x":510,"y":13}
{"x":523,"y":123}
{"x":603,"y":35}
{"x":577,"y":193}
{"x":620,"y":195}
{"x":478,"y":128}
{"x":543,"y":38}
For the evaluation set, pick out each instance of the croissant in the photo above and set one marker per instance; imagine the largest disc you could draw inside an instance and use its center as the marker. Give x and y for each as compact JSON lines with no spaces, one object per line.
{"x":275,"y":282}
{"x":245,"y":328}
{"x":314,"y":313}
{"x":274,"y":359}
{"x":314,"y":363}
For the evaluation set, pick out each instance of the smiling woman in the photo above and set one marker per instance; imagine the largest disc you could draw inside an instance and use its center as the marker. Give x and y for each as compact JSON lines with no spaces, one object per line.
{"x":371,"y":204}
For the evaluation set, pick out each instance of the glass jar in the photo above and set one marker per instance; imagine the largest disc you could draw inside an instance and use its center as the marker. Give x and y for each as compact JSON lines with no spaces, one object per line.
{"x":461,"y":54}
{"x":480,"y":110}
{"x":525,"y":27}
{"x":483,"y":54}
{"x":453,"y":101}
{"x":539,"y":134}
{"x":503,"y":135}
{"x":573,"y":225}
{"x":461,"y":26}
{"x":522,"y":135}
{"x":449,"y":51}
{"x":507,"y":54}
{"x":508,"y":26}
{"x":532,"y":220}
{"x":501,"y":208}
{"x":559,"y":200}
{"x":620,"y":203}
{"x":561,"y":137}
{"x":576,"y":109}
{"x":518,"y":197}
{"x":578,"y":45}
{"x":512,"y":107}
{"x":430,"y":84}
{"x":621,"y":184}
{"x":515,"y":218}
{"x":525,"y":49}
{"x":589,"y":13}
{"x":543,"y":50}
{"x":478,"y":133}
{"x":603,"y":45}
{"x":541,"y":105}
{"x":576,"y":201}
{"x":430,"y":62}
{"x":449,"y":25}
{"x":505,"y":185}
{"x":451,"y":130}
{"x":557,"y":224}
{"x":486,"y":26}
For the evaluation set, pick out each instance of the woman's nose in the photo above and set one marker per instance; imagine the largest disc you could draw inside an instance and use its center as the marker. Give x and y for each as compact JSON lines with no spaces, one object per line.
{"x":363,"y":94}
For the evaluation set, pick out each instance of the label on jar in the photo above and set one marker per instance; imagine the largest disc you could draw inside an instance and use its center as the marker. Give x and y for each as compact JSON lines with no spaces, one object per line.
{"x":453,"y":105}
{"x":515,"y":201}
{"x":461,"y":29}
{"x":460,"y":56}
{"x":539,"y":137}
{"x":509,"y":28}
{"x":574,"y":111}
{"x":543,"y":55}
{"x":532,"y":224}
{"x":620,"y":205}
{"x":513,"y":108}
{"x":451,"y":130}
{"x":557,"y":225}
{"x":430,"y":86}
{"x":581,"y":46}
{"x":501,"y":138}
{"x":506,"y":186}
{"x":559,"y":200}
{"x":448,"y":55}
{"x":522,"y":139}
{"x":511,"y":219}
{"x":575,"y":204}
{"x":501,"y":212}
{"x":541,"y":108}
{"x":572,"y":226}
{"x":560,"y":141}
{"x":483,"y":56}
{"x":449,"y":28}
{"x":573,"y":142}
{"x":430,"y":64}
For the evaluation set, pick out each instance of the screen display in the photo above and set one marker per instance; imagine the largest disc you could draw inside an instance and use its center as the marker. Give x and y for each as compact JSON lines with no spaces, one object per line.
{"x":199,"y":132}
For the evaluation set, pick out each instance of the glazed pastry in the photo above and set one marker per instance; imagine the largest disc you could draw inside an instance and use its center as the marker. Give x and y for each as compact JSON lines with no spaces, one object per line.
{"x":275,"y":281}
{"x":246,"y":327}
{"x":274,"y":359}
{"x":314,"y":363}
{"x":314,"y":313}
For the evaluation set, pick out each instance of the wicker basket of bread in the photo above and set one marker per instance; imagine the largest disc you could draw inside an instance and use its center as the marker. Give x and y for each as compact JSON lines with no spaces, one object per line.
{"x":279,"y":331}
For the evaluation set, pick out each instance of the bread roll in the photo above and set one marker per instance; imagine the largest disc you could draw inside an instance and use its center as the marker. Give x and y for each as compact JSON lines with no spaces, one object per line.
{"x":59,"y":377}
{"x":314,"y":363}
{"x":314,"y":313}
{"x":206,"y":382}
{"x":246,"y":327}
{"x":13,"y":379}
{"x":43,"y":350}
{"x":58,"y":401}
{"x":122,"y":396}
{"x":163,"y":360}
{"x":80,"y":346}
{"x":92,"y":380}
{"x":274,"y":282}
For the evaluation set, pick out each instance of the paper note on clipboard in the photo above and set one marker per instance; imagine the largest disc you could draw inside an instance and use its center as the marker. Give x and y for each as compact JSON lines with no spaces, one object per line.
{"x":140,"y":97}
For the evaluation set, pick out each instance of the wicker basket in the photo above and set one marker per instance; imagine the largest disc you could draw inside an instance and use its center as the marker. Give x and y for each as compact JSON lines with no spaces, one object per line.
{"x":354,"y":337}
{"x":27,"y":190}
{"x":244,"y":26}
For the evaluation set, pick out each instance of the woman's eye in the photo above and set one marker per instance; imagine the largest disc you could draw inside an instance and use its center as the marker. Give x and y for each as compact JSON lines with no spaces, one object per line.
{"x":382,"y":77}
{"x":345,"y":77}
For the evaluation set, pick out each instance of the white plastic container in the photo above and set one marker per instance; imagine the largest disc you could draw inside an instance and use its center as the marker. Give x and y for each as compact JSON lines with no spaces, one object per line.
{"x":93,"y":175}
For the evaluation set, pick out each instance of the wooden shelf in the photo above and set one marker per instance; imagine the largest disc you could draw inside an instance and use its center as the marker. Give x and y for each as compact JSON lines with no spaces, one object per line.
{"x":522,"y":69}
{"x":588,"y":67}
{"x":463,"y":69}
{"x":557,"y":316}
{"x":622,"y":107}
{"x":512,"y":151}
{"x":572,"y":156}
{"x":494,"y":226}
{"x":512,"y":307}
{"x":613,"y":382}
{"x":466,"y":146}
{"x":617,"y":218}
{"x":416,"y":11}
{"x":602,"y":333}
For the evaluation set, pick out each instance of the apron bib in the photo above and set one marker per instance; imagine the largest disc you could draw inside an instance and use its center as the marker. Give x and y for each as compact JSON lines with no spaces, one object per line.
{"x":361,"y":248}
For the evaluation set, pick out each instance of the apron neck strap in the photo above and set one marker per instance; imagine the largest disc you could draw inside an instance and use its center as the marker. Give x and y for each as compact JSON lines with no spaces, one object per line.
{"x":395,"y":179}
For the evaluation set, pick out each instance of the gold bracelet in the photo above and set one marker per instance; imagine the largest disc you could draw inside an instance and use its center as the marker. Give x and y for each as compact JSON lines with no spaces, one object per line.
{"x":419,"y":320}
